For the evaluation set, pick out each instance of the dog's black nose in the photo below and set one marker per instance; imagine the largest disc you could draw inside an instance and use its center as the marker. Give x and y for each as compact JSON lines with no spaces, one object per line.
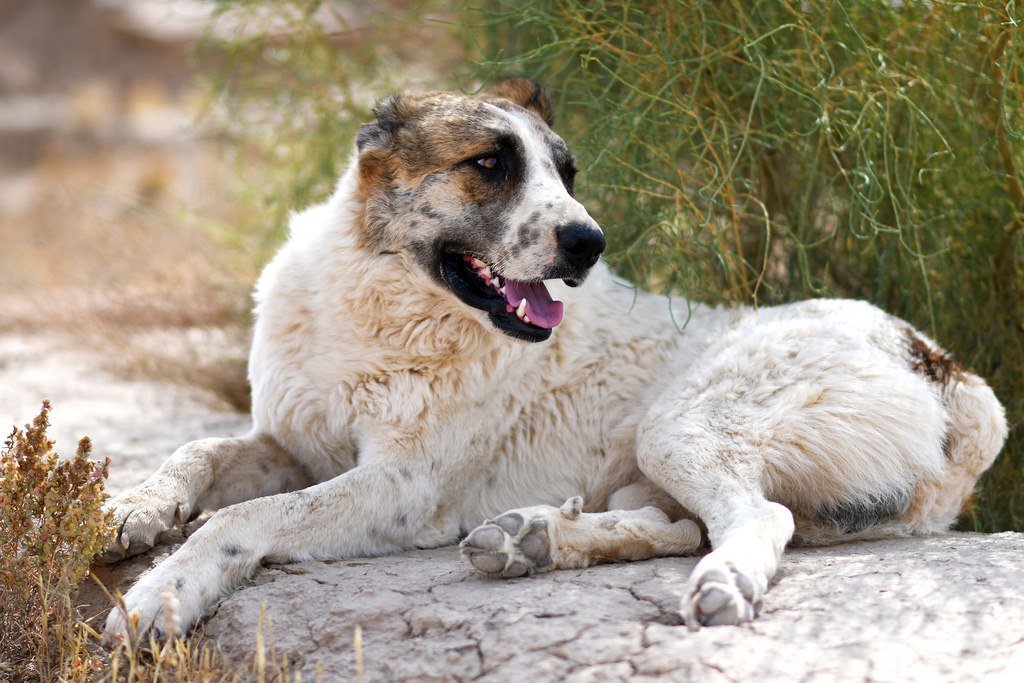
{"x":580,"y":244}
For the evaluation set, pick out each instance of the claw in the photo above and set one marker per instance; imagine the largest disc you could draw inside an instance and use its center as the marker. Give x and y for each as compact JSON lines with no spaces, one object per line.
{"x":117,"y":550}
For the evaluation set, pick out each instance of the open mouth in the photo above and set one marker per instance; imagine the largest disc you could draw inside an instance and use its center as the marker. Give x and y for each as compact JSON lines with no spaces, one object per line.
{"x":524,"y":310}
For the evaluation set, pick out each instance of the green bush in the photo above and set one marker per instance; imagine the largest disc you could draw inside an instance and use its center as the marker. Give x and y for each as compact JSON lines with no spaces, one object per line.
{"x":738,"y":152}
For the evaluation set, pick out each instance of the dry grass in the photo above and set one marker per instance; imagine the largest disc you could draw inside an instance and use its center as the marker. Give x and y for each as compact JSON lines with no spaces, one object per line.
{"x":51,"y":525}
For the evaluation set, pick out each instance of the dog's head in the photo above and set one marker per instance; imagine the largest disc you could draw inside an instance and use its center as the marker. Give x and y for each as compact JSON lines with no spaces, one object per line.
{"x":478,"y":190}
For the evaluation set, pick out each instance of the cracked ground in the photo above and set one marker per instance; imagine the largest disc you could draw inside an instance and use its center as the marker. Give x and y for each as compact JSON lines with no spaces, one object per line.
{"x":943,"y":608}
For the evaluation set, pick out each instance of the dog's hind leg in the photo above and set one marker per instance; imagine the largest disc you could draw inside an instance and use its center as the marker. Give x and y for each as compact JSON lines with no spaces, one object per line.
{"x":541,"y":538}
{"x":714,"y":472}
{"x":204,"y":474}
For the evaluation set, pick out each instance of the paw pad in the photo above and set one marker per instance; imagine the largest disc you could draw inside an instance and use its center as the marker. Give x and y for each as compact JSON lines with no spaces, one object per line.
{"x":509,"y":547}
{"x":720,"y":596}
{"x":511,"y":522}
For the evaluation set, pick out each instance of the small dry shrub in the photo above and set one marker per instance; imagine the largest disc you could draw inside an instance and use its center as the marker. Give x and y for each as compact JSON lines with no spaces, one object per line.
{"x":51,"y":525}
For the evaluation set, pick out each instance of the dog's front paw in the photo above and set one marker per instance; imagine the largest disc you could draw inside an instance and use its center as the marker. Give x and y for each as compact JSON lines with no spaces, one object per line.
{"x":145,"y":612}
{"x":167,"y":601}
{"x":721,"y":594}
{"x":155,"y":604}
{"x":517,"y":543}
{"x":140,"y":515}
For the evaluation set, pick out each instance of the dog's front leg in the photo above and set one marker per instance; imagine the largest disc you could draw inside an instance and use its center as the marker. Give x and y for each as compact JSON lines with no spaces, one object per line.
{"x":204,"y":474}
{"x":715,"y":471}
{"x":370,"y":510}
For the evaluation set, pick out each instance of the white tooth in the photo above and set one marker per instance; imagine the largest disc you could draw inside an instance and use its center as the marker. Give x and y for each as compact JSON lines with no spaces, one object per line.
{"x":485,"y":271}
{"x":502,"y":289}
{"x":521,"y":311}
{"x":526,"y":318}
{"x":477,"y":263}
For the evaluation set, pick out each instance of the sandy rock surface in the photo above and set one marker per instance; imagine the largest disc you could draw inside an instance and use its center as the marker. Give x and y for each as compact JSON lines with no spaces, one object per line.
{"x":947,"y":608}
{"x":138,"y":423}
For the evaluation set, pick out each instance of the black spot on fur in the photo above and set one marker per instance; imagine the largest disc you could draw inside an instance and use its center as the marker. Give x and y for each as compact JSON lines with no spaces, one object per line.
{"x":930,"y":363}
{"x":390,"y":113}
{"x":370,"y":135}
{"x":527,"y":232}
{"x":231,"y":550}
{"x":856,"y":515}
{"x":179,"y":583}
{"x":565,"y":162}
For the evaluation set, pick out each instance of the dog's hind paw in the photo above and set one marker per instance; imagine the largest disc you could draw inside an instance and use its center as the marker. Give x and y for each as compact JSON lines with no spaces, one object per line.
{"x":721,"y":596}
{"x":517,"y":543}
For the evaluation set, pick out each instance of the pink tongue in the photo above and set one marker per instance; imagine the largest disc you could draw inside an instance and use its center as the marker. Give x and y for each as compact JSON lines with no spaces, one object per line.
{"x":541,"y":309}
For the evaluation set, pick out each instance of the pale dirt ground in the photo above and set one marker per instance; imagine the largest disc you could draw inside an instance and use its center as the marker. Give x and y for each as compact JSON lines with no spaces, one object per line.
{"x":123,"y":303}
{"x":946,"y":608}
{"x":121,"y":299}
{"x":137,"y":423}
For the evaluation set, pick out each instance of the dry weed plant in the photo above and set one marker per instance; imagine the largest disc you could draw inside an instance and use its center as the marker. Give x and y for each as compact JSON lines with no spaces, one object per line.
{"x":52,"y":523}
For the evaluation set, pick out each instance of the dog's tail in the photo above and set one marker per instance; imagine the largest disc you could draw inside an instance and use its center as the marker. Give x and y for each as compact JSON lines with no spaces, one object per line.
{"x":977,"y":424}
{"x":976,"y":421}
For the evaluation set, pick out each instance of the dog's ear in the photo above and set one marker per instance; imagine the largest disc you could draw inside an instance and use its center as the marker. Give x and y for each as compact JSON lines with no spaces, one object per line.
{"x":528,"y":95}
{"x":389,"y":112}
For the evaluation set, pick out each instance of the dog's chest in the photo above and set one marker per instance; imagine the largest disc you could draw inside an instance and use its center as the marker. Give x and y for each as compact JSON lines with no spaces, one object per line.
{"x":494,"y":430}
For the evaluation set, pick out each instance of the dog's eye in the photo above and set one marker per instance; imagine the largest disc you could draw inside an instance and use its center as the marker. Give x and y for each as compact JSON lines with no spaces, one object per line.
{"x":489,"y":163}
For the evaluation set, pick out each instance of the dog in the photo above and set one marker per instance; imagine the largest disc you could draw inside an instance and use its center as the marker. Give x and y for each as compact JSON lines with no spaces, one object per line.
{"x":440,"y":354}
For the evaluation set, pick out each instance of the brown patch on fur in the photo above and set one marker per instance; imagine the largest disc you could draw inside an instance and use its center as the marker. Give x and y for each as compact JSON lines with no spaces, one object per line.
{"x":417,"y":136}
{"x":624,"y":549}
{"x":528,"y":95}
{"x":931,"y":363}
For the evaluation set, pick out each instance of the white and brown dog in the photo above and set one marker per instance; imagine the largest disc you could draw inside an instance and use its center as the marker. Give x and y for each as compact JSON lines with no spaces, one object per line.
{"x":409,"y":384}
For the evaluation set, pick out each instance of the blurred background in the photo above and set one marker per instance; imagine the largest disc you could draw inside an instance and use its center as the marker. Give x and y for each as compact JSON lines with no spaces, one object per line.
{"x":150,"y":152}
{"x":114,"y":195}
